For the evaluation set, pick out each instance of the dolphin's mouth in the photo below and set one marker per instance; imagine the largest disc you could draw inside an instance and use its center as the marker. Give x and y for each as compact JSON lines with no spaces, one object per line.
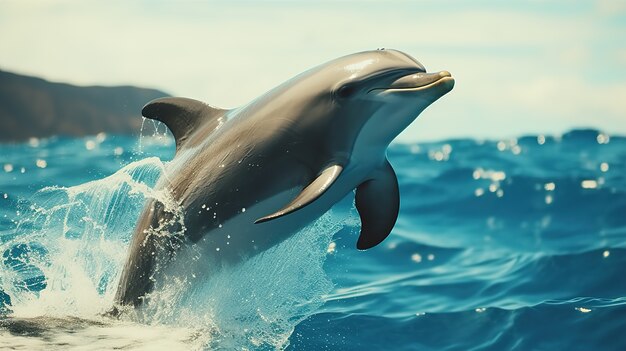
{"x":417,"y":82}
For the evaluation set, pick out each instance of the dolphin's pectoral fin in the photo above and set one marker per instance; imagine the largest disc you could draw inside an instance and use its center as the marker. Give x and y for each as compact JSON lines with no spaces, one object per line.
{"x":183,"y":115}
{"x":308,"y":194}
{"x":378,"y":203}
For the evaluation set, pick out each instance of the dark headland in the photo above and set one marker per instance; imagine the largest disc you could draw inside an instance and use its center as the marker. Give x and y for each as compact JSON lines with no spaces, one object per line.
{"x":33,"y":107}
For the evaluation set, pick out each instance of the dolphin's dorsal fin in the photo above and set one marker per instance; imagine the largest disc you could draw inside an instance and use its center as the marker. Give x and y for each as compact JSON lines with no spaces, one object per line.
{"x":378,"y":203}
{"x":182,"y":116}
{"x":309,"y":194}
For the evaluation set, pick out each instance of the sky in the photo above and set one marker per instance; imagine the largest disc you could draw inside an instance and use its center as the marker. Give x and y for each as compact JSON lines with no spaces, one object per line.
{"x":521,"y":66}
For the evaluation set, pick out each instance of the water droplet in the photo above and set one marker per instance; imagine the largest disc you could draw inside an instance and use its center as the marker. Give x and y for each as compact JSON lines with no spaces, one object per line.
{"x":331,"y":247}
{"x":41,"y":163}
{"x":430,"y":257}
{"x":589,"y":184}
{"x":604,"y":167}
{"x":541,"y":139}
{"x":90,"y":144}
{"x":477,"y":173}
{"x":603,"y":138}
{"x":33,"y":142}
{"x":100,"y":137}
{"x":243,"y":209}
{"x":118,"y":151}
{"x":496,"y":176}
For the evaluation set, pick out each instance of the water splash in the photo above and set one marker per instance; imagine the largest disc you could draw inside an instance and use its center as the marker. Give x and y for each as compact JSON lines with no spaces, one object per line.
{"x":70,"y":246}
{"x":257,"y":303}
{"x":71,"y":242}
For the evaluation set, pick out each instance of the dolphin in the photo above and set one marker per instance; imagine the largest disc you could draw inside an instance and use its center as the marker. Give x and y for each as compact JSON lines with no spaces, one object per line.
{"x":245,"y":179}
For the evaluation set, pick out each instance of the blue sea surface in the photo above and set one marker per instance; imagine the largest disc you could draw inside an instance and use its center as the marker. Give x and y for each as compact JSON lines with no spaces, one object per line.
{"x":513,"y":244}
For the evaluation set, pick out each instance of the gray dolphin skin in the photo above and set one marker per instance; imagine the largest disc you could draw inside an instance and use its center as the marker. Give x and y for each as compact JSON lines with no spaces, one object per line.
{"x":246,"y":179}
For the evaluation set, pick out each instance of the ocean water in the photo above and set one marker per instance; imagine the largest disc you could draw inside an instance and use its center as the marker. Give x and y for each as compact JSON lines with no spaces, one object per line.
{"x":514,"y":244}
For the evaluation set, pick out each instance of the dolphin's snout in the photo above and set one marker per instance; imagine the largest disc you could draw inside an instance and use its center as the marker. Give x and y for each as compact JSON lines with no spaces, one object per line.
{"x":447,"y":78}
{"x":418,"y":80}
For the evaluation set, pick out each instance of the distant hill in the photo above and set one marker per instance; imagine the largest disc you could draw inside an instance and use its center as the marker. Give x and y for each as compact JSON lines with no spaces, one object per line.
{"x":33,"y":107}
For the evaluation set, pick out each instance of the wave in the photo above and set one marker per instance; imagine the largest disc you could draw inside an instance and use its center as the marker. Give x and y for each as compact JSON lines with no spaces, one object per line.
{"x":501,"y":244}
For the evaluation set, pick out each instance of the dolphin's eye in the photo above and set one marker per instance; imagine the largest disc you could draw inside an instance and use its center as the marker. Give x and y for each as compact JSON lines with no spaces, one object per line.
{"x":346,"y":91}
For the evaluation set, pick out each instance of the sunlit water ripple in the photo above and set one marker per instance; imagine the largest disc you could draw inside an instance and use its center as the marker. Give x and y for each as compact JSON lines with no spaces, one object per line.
{"x":500,"y":245}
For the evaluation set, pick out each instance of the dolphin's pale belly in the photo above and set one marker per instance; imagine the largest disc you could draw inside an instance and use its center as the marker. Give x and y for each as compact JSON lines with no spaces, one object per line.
{"x":239,"y":237}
